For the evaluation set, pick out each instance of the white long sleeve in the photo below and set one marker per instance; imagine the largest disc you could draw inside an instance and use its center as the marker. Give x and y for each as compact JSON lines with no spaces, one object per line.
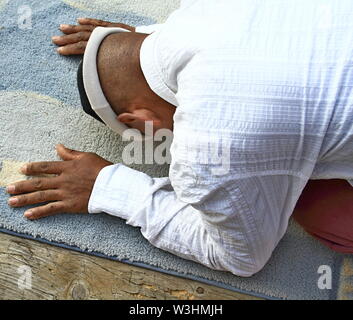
{"x":214,"y":237}
{"x":167,"y":222}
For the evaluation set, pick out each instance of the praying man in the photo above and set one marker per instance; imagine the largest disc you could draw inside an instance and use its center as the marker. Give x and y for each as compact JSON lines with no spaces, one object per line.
{"x":270,"y":83}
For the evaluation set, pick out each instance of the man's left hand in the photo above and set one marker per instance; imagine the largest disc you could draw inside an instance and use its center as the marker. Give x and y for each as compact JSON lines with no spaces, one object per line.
{"x":68,"y":190}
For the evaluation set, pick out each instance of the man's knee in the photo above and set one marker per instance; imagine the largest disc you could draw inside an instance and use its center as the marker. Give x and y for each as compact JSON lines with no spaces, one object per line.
{"x":325,"y":210}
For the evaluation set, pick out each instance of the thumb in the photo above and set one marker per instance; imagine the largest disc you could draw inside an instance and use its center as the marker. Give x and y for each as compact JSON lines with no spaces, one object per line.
{"x":67,"y":154}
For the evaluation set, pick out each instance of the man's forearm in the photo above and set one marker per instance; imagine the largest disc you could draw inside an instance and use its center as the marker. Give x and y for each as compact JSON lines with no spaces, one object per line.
{"x":165,"y":221}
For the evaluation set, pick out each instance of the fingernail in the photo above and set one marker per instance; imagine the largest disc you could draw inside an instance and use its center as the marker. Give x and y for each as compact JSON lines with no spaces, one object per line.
{"x":63,"y":26}
{"x":59,"y":49}
{"x":10,"y":189}
{"x":28,"y":214}
{"x":12,"y":201}
{"x":55,"y":38}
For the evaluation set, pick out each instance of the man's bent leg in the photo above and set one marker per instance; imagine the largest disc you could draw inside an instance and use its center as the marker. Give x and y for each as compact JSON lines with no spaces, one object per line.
{"x":325,"y":210}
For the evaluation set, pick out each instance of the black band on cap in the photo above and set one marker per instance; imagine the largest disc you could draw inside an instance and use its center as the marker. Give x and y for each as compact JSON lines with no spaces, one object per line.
{"x":84,"y":99}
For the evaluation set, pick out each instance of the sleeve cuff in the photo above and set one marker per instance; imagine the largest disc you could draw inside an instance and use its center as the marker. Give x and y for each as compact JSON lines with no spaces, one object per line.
{"x":119,"y":191}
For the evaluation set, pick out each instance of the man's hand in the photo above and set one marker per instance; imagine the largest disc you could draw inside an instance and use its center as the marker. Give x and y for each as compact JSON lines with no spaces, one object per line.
{"x":68,"y":191}
{"x":76,"y":36}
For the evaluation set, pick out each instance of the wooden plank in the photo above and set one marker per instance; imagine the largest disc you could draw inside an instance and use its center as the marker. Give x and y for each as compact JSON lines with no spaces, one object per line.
{"x":345,"y":289}
{"x":58,"y":273}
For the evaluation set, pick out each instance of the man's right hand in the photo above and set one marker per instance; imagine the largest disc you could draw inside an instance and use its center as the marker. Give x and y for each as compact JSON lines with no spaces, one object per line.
{"x":76,"y":36}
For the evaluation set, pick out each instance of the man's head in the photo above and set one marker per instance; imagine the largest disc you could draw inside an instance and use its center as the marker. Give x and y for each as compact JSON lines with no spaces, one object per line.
{"x":124,"y":85}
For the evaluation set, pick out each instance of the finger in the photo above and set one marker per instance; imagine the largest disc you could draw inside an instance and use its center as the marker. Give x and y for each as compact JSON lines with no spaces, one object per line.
{"x":34,"y":198}
{"x":122,"y":25}
{"x":93,"y":22}
{"x":101,"y":23}
{"x":46,"y":210}
{"x":45,"y":167}
{"x":66,"y":153}
{"x":32,"y":185}
{"x":73,"y":49}
{"x":70,"y":28}
{"x":71,"y":38}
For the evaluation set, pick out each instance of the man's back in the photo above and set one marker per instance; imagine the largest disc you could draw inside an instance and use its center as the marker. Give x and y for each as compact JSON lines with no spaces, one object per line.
{"x":281,"y":69}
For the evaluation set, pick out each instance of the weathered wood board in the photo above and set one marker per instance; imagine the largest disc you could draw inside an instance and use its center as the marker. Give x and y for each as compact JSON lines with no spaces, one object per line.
{"x":57,"y":273}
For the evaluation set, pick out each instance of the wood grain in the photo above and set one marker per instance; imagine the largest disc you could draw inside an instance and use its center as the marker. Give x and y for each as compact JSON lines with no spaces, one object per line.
{"x":58,"y":273}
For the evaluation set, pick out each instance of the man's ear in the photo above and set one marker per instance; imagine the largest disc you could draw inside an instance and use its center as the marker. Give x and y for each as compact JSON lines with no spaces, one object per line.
{"x":127,"y":118}
{"x":137,"y":118}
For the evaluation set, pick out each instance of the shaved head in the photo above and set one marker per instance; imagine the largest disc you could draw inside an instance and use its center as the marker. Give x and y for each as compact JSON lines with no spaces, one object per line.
{"x":120,"y":74}
{"x":124,"y":84}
